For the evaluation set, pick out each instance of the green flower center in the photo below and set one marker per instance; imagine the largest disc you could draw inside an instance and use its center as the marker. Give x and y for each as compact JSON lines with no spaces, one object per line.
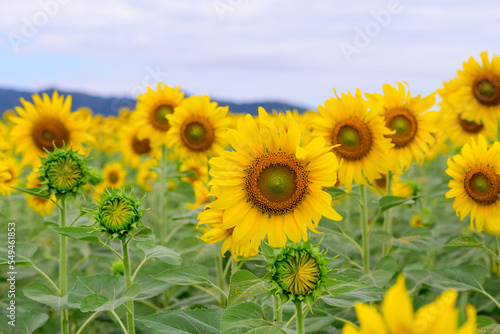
{"x":64,"y":175}
{"x":486,"y":89}
{"x":117,"y":214}
{"x":354,"y":137}
{"x":159,"y":119}
{"x":197,"y":133}
{"x":482,"y":185}
{"x":277,"y":183}
{"x":405,"y":125}
{"x":298,"y":274}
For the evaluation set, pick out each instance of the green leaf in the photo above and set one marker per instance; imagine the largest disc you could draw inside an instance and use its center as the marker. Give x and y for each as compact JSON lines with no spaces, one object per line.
{"x":337,"y":193}
{"x":145,"y":234}
{"x":151,"y":287}
{"x":161,"y":252}
{"x":485,"y":325}
{"x":188,"y":275}
{"x":461,"y":278}
{"x":44,"y":294}
{"x":26,"y":323}
{"x":247,"y":318}
{"x":87,"y":233}
{"x":383,"y":272}
{"x":465,"y":242}
{"x":199,"y":321}
{"x":345,"y":292}
{"x":417,"y":239}
{"x":23,"y":253}
{"x":97,"y":302}
{"x":183,"y":193}
{"x":245,"y":285}
{"x":388,"y":202}
{"x":34,"y":192}
{"x":110,"y":287}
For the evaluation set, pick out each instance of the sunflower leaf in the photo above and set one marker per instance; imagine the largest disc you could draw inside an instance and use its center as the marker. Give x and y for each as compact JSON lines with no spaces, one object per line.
{"x":188,"y":275}
{"x":39,"y":192}
{"x":465,"y":242}
{"x":161,"y":252}
{"x":388,"y":202}
{"x":44,"y":294}
{"x":247,"y":318}
{"x":245,"y":285}
{"x":184,"y":321}
{"x":84,"y":233}
{"x":23,"y":253}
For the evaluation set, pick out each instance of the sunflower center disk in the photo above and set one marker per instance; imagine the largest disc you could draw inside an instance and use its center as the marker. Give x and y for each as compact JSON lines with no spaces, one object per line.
{"x":141,"y":146}
{"x":404,"y":123}
{"x":64,"y":175}
{"x":354,"y":137}
{"x":159,"y":119}
{"x":486,"y":90}
{"x":113,"y":177}
{"x":470,"y":126}
{"x":117,"y":215}
{"x":276,"y":183}
{"x":482,"y":184}
{"x":298,"y":274}
{"x":49,"y":132}
{"x":197,"y":133}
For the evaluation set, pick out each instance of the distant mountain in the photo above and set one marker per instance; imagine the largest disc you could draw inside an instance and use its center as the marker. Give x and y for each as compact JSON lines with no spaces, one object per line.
{"x":9,"y":99}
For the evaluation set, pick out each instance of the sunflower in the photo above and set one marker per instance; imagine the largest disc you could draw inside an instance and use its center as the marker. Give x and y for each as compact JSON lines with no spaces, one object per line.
{"x":10,"y":170}
{"x":440,"y":145}
{"x":397,"y":316}
{"x":45,"y":123}
{"x":113,"y":176}
{"x":198,"y":129}
{"x":476,"y":90}
{"x":146,"y":176}
{"x":5,"y":141}
{"x":198,"y":181}
{"x":475,"y":184}
{"x":151,"y":111}
{"x":398,"y":188}
{"x":358,"y":136}
{"x":133,"y":148}
{"x":405,"y":115}
{"x":461,"y":130}
{"x":40,"y":205}
{"x":213,"y":218}
{"x":270,"y":185}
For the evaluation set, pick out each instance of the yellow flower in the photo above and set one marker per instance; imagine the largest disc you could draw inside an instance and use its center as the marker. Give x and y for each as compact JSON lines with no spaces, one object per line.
{"x":213,"y":218}
{"x":438,"y":317}
{"x":398,"y":188}
{"x":476,"y":90}
{"x":113,"y":176}
{"x":145,"y":176}
{"x":46,"y":123}
{"x":133,"y":148}
{"x":42,"y":206}
{"x":270,"y":185}
{"x":10,"y":170}
{"x":406,"y":116}
{"x":416,"y":221}
{"x":151,"y":111}
{"x":475,"y":184}
{"x":198,"y":129}
{"x":359,"y":136}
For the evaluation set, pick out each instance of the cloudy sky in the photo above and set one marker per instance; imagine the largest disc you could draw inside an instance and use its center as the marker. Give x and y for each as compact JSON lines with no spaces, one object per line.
{"x":242,"y":50}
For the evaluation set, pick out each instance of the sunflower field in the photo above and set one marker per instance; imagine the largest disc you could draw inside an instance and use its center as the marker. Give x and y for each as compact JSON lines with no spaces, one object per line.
{"x":378,"y":213}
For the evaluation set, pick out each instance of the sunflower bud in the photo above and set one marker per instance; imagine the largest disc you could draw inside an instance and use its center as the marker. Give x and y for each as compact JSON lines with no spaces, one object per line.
{"x":118,"y":213}
{"x":117,"y":268}
{"x":297,"y":271}
{"x":63,"y":172}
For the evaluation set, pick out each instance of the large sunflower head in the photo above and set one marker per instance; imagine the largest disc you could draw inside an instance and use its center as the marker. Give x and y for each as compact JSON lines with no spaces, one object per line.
{"x":475,"y":184}
{"x":63,"y":172}
{"x":118,"y":213}
{"x":440,"y":316}
{"x":198,"y":129}
{"x":271,"y":185}
{"x":297,"y":272}
{"x":133,"y":148}
{"x":45,"y":124}
{"x":10,"y":170}
{"x":411,"y":127}
{"x":151,"y":112}
{"x":358,"y":137}
{"x":476,"y":90}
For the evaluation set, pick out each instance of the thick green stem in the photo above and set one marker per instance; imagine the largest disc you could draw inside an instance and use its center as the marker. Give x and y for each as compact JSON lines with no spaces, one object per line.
{"x":220,"y":276}
{"x":128,"y":283}
{"x":163,"y":229}
{"x":63,"y":266}
{"x":278,"y":314}
{"x":364,"y":226}
{"x":387,"y":214}
{"x":300,"y":316}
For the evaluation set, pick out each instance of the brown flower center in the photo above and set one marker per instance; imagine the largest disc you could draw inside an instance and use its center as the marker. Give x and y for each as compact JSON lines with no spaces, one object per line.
{"x":470,"y":126}
{"x":354,"y":137}
{"x":486,"y":89}
{"x":197,"y":133}
{"x":113,"y":177}
{"x":141,"y":146}
{"x":48,"y":132}
{"x":159,"y":117}
{"x":482,"y":184}
{"x":405,"y":124}
{"x":381,"y":182}
{"x":277,"y":182}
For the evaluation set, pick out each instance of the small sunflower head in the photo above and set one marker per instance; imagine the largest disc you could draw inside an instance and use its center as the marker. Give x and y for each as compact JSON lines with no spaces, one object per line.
{"x":118,"y":213}
{"x":297,"y":271}
{"x":117,"y":268}
{"x":63,"y":172}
